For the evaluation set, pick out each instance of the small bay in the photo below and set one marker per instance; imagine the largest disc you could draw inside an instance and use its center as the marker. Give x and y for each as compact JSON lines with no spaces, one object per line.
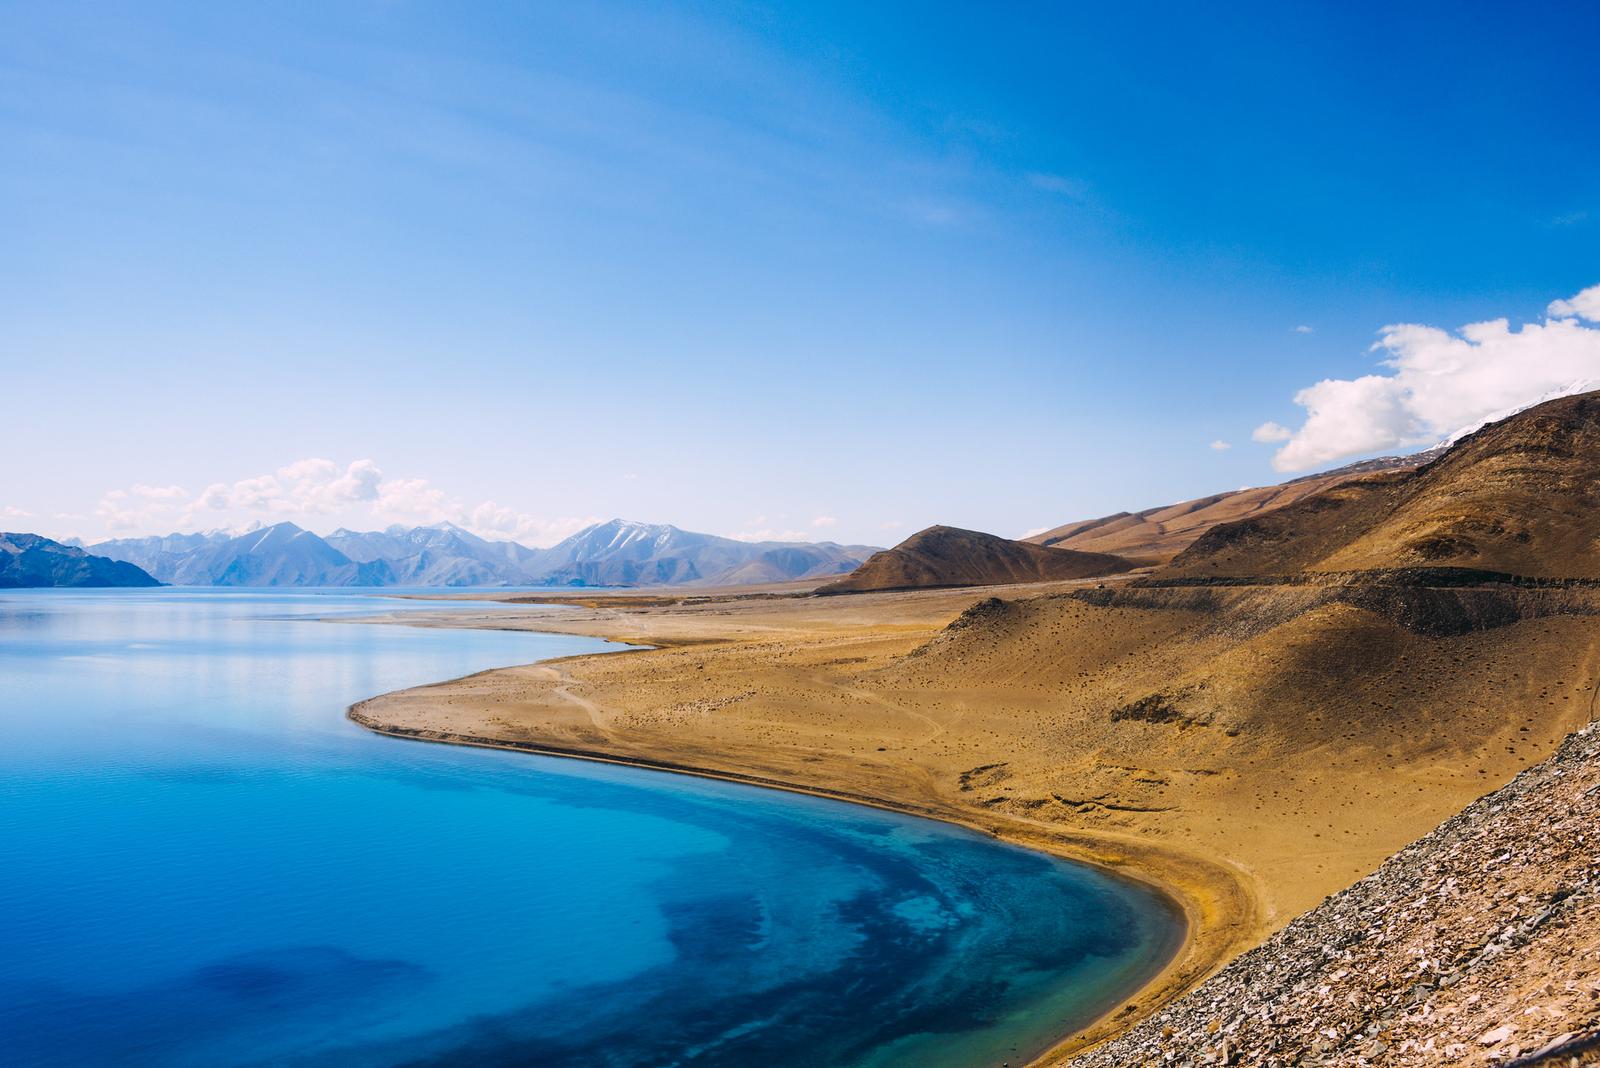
{"x":203,"y":863}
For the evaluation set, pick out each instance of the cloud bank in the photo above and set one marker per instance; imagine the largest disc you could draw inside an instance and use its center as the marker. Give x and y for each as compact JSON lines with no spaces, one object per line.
{"x":1439,"y":383}
{"x":317,"y":489}
{"x":1271,"y":432}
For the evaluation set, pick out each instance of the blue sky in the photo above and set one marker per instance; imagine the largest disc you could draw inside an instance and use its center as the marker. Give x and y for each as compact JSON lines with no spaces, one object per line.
{"x":823,"y":270}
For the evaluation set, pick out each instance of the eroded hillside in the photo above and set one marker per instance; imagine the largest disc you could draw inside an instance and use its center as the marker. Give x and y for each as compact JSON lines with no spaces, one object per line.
{"x":1520,"y":496}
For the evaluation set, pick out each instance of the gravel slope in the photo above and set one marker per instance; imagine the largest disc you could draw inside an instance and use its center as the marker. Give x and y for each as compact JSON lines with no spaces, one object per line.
{"x":1477,"y":944}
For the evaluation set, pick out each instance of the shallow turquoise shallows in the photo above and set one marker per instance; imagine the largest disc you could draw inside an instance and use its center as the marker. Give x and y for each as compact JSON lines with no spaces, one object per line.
{"x":203,"y":863}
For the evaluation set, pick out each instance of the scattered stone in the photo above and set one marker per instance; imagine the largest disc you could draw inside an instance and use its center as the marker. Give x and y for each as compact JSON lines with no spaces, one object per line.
{"x":1496,"y":1036}
{"x":1492,"y":917}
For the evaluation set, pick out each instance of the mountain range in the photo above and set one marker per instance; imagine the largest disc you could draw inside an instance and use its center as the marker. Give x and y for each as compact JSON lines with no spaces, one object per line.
{"x":1155,"y":535}
{"x":1200,"y":538}
{"x":1515,"y":497}
{"x":617,"y":553}
{"x":28,"y":561}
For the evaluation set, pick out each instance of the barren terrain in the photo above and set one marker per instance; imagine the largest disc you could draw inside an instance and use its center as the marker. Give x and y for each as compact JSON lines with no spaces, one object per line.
{"x":1250,"y":751}
{"x":1253,"y":727}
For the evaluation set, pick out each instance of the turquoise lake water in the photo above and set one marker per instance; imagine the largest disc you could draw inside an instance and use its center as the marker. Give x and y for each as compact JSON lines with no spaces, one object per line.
{"x":203,"y":863}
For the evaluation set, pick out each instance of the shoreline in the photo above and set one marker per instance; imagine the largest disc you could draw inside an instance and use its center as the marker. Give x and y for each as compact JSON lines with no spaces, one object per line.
{"x":1217,"y":750}
{"x":1212,"y":906}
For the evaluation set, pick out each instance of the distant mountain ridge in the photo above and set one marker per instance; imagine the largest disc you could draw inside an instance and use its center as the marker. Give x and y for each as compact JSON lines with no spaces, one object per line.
{"x":622,"y":553}
{"x":441,"y":555}
{"x":279,"y":555}
{"x":1518,"y":496}
{"x":1160,"y":533}
{"x":616,"y":553}
{"x":28,"y":561}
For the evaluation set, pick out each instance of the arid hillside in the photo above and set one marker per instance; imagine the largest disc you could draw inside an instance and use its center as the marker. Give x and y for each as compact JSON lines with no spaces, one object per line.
{"x":949,"y":556}
{"x":1252,"y":736}
{"x":1520,"y":496}
{"x":1251,"y":749}
{"x":1158,"y":534}
{"x":1477,"y":944}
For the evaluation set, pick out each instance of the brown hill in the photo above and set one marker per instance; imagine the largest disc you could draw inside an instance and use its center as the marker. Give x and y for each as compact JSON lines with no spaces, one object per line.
{"x":950,"y":556}
{"x":1251,"y":747}
{"x":1158,"y":534}
{"x":1519,"y":496}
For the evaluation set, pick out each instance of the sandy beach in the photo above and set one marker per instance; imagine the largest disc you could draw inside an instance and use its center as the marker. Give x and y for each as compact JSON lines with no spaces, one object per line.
{"x":1231,"y":763}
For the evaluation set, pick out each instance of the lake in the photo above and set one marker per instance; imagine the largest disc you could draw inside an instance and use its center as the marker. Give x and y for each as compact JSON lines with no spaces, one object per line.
{"x":204,"y":863}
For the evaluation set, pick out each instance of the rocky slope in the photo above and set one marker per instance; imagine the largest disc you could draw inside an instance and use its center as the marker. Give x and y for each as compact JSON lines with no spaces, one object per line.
{"x":1518,"y":496}
{"x":949,"y":556}
{"x":30,"y":561}
{"x":1478,"y":944}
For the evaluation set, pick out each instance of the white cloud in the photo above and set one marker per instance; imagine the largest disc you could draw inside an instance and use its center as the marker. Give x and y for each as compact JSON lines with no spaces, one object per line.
{"x":12,"y":512}
{"x":160,"y":493}
{"x":1585,"y":305}
{"x":310,"y":490}
{"x":1304,"y":329}
{"x":1220,"y":446}
{"x":1034,"y":533}
{"x":214,"y":497}
{"x":773,"y":534}
{"x":776,"y":528}
{"x":496,"y":521}
{"x":358,"y":483}
{"x":306,"y":487}
{"x":1269,"y":432}
{"x":139,"y":505}
{"x":263,"y":491}
{"x":312,"y":470}
{"x":1437,"y":383}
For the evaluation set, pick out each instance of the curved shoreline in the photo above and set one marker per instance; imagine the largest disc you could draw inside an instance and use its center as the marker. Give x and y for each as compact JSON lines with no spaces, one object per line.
{"x":1214,"y":907}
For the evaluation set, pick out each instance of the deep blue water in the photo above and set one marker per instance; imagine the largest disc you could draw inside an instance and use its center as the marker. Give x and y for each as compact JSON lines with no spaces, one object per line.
{"x":203,"y":863}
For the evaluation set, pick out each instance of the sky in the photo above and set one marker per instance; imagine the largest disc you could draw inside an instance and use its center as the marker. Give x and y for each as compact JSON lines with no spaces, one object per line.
{"x":809,"y":271}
